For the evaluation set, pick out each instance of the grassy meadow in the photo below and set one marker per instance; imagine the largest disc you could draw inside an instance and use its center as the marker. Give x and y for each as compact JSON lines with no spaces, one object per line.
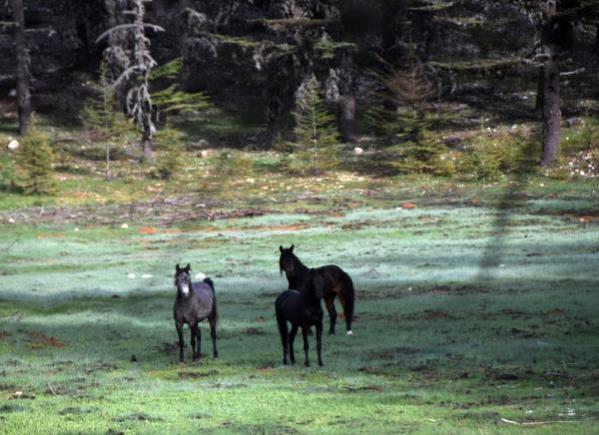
{"x":476,"y":310}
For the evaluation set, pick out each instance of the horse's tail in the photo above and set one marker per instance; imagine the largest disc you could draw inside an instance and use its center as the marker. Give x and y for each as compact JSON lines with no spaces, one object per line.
{"x":349,"y":294}
{"x":214,"y":313}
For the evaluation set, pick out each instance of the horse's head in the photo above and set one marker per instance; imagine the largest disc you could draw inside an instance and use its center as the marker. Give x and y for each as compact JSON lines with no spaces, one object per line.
{"x":183,"y":279}
{"x":287,"y":260}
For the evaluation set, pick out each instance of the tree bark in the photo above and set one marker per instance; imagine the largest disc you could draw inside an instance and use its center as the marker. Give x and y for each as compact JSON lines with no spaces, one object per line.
{"x":347,"y":118}
{"x":23,"y":94}
{"x":551,"y":108}
{"x":540,"y":92}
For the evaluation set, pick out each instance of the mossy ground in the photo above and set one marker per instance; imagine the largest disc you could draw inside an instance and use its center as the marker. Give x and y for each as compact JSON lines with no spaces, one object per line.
{"x":477,"y":305}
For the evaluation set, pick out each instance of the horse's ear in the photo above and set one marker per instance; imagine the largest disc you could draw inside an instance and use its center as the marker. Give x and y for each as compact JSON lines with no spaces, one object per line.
{"x":318,"y":286}
{"x":291,"y":249}
{"x":187,"y":268}
{"x":281,"y":248}
{"x":177,"y":268}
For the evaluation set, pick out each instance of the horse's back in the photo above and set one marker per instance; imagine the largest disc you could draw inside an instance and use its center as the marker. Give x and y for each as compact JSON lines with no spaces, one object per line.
{"x":198,"y":305}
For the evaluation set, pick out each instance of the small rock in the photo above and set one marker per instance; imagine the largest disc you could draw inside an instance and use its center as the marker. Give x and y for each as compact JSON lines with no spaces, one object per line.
{"x":200,"y":276}
{"x":204,"y":154}
{"x":124,"y":226}
{"x":13,"y":145}
{"x":11,"y":221}
{"x":146,"y":276}
{"x":131,"y":276}
{"x":358,"y":151}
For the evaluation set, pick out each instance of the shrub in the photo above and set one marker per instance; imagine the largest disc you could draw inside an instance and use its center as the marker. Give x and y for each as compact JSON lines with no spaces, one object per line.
{"x":8,"y":178}
{"x":35,"y":161}
{"x":228,"y":163}
{"x":490,"y":156}
{"x":426,"y":155}
{"x":170,"y":145}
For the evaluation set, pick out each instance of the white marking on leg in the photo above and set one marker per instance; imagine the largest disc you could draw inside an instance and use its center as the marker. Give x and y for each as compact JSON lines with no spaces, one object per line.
{"x":349,"y":333}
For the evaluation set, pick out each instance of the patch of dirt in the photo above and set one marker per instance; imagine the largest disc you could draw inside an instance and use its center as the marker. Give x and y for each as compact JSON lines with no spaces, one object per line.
{"x":436,"y":314}
{"x":167,"y":348}
{"x":136,"y":417}
{"x":147,"y":230}
{"x":18,"y":395}
{"x":197,"y":375}
{"x":101,"y":367}
{"x":254,"y":331}
{"x":164,"y":211}
{"x":393,"y":352}
{"x":39,"y":340}
{"x":265,"y":368}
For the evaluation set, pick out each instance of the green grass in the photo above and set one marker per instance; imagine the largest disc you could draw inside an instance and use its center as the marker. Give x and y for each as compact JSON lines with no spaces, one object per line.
{"x":465,"y":315}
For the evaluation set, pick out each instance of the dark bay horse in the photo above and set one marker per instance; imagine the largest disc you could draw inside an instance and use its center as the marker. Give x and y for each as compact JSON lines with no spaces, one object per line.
{"x":195,"y":302}
{"x":337,"y":283}
{"x":302,"y":310}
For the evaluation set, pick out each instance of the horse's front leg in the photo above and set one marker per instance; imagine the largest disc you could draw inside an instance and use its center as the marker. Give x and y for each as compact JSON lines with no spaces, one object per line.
{"x":305,"y":331}
{"x":319,"y":341}
{"x":330,"y":304}
{"x":179,"y":326}
{"x":213,"y":336}
{"x":291,"y":340}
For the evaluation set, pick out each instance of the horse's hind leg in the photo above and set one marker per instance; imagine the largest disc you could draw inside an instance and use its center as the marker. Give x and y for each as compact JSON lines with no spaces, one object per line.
{"x":213,"y":336}
{"x":291,"y":340}
{"x":319,"y":342}
{"x":306,"y":345}
{"x":330,"y":303}
{"x":179,"y":326}
{"x":284,"y":336}
{"x":196,"y":346}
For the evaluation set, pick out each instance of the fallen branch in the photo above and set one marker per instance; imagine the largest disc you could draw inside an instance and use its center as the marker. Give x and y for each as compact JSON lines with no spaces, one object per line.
{"x":539,"y":423}
{"x":51,"y":390}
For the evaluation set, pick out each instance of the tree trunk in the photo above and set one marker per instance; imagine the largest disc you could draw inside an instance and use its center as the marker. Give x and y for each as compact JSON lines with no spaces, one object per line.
{"x":347,"y":118}
{"x":540,"y":92}
{"x":23,"y":95}
{"x":146,"y":144}
{"x":551,"y":108}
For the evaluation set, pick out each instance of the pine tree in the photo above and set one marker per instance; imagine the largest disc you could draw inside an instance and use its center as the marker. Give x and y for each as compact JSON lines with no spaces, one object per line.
{"x":101,"y":116}
{"x":315,"y":130}
{"x":136,"y":76}
{"x":402,"y":102}
{"x":35,"y":161}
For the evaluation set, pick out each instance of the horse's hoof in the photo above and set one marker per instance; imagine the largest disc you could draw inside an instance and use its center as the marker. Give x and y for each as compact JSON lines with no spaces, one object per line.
{"x":307,"y":364}
{"x":331,"y":332}
{"x":320,"y":363}
{"x":350,"y":332}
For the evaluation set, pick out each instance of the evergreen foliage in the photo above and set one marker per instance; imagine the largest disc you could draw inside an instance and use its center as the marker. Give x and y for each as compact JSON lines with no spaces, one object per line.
{"x":170,"y":159}
{"x":402,"y":102}
{"x":171,"y":99}
{"x":315,"y":130}
{"x":35,"y":160}
{"x":102,"y":118}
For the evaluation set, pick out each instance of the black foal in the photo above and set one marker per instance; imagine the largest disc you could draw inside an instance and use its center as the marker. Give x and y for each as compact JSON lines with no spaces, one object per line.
{"x":302,"y":310}
{"x":195,"y":302}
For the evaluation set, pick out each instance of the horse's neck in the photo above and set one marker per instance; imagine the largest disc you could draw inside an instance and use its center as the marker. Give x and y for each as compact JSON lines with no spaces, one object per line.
{"x":301,"y":267}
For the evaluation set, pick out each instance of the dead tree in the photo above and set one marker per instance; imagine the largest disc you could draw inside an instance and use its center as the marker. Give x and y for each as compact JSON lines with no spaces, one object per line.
{"x":135,"y":76}
{"x":23,"y":94}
